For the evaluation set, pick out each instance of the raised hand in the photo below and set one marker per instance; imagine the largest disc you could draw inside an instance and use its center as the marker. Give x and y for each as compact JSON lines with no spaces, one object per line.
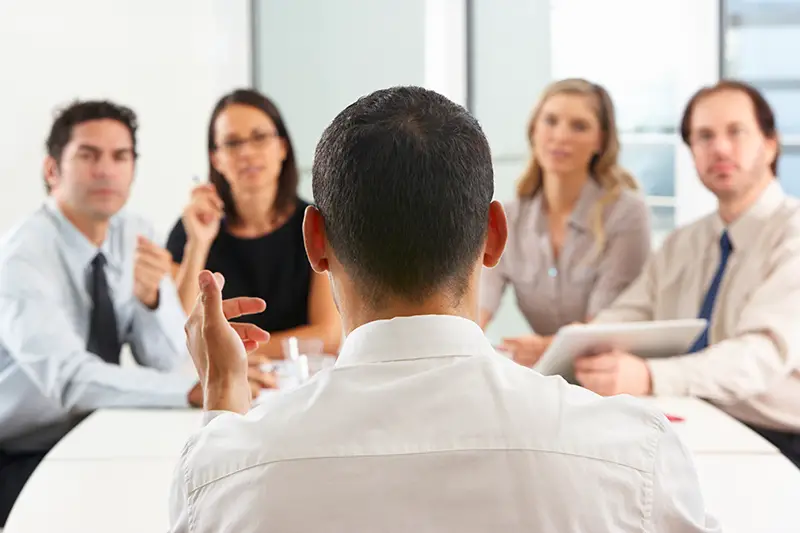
{"x":220,"y":348}
{"x":151,"y":264}
{"x":201,"y":218}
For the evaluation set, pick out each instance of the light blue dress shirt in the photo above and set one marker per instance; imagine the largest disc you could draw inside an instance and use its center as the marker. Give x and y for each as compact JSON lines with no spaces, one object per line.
{"x":47,"y":378}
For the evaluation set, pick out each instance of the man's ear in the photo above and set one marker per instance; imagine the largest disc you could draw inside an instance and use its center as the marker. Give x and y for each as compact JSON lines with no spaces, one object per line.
{"x":497,"y":236}
{"x":315,"y":239}
{"x":51,"y":173}
{"x":772,"y":149}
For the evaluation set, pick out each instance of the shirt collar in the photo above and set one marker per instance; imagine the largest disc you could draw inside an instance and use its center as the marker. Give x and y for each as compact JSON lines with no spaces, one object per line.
{"x":415,"y":337}
{"x":587,"y":199}
{"x":81,"y":250}
{"x":746,"y":229}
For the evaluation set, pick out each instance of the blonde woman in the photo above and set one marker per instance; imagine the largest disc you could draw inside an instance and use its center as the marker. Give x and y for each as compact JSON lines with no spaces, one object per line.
{"x":579,"y":230}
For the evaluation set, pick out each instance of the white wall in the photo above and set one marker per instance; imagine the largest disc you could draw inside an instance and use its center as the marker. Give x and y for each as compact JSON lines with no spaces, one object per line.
{"x":167,"y":59}
{"x":512,"y":65}
{"x":315,"y":57}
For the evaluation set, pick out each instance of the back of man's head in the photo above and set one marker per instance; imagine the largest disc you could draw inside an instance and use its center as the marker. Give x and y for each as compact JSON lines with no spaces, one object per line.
{"x":403,"y":179}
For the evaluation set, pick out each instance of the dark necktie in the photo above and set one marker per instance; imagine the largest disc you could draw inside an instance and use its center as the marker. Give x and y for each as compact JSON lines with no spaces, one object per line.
{"x":711,"y":295}
{"x":103,"y":336}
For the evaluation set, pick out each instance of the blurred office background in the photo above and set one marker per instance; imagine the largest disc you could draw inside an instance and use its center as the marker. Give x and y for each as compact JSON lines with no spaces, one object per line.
{"x":171,"y":59}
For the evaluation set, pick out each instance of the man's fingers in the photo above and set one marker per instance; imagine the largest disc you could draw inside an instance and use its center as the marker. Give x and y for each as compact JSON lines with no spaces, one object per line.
{"x":148,"y":278}
{"x":153,"y":262}
{"x":250,"y":346}
{"x":243,"y":305}
{"x":211,"y":299}
{"x":145,"y":245}
{"x":249,"y":331}
{"x":147,"y":270}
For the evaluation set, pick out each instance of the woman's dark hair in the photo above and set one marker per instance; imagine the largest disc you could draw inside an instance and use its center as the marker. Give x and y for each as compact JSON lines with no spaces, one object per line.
{"x":287,"y":180}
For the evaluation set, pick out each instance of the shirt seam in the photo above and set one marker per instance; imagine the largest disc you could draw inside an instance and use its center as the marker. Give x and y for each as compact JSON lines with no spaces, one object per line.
{"x":648,"y":483}
{"x":191,"y":515}
{"x":361,"y":456}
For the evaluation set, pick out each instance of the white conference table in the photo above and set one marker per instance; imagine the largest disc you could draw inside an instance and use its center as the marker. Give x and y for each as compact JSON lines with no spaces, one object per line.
{"x":707,"y":430}
{"x":114,"y":472}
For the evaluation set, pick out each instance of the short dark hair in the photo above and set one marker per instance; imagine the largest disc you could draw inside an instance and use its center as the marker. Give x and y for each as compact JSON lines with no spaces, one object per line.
{"x":286,"y":195}
{"x":403,"y":179}
{"x":765,"y":117}
{"x":79,"y":112}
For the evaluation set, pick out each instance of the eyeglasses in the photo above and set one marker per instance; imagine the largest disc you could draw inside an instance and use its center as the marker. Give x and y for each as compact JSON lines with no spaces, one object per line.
{"x":259,"y":139}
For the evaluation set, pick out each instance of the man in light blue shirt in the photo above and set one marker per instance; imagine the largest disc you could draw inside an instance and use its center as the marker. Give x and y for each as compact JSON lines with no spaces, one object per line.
{"x":80,"y":278}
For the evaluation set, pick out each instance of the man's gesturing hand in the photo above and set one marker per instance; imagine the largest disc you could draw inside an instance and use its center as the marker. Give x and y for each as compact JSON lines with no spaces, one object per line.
{"x":219,"y":348}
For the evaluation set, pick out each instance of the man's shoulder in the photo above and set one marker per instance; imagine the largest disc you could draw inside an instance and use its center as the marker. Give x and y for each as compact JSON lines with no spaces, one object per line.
{"x":493,"y":405}
{"x":34,"y":238}
{"x":621,"y":429}
{"x":687,"y":234}
{"x":787,"y":218}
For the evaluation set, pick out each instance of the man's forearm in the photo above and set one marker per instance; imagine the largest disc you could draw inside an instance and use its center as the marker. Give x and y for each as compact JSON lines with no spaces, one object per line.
{"x":726,"y":372}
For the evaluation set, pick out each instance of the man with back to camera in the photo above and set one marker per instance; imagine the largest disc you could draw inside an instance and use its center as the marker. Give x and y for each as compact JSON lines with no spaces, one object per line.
{"x":737,"y":267}
{"x":420,"y":426}
{"x":78,"y":279}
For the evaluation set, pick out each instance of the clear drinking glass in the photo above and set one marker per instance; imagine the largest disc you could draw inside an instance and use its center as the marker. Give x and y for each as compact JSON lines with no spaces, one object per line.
{"x":304,"y":357}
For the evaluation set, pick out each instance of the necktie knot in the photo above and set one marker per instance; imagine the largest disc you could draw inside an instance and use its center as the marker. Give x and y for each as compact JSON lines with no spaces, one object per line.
{"x":99,"y":260}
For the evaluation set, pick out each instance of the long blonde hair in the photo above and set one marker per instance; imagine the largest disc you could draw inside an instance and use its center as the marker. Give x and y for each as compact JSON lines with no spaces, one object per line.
{"x":603,"y":168}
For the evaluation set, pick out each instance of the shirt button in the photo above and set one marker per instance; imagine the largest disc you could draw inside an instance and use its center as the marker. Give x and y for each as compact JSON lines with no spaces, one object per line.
{"x":552,"y":272}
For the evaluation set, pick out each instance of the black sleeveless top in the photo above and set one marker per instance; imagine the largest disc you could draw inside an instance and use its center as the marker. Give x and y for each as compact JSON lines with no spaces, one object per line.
{"x":273,"y":267}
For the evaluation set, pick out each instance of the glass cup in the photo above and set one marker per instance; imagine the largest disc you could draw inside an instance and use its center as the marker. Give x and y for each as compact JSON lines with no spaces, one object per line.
{"x":303,"y":358}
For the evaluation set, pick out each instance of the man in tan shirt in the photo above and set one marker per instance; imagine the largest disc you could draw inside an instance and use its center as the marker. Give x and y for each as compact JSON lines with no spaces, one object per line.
{"x":738,"y":267}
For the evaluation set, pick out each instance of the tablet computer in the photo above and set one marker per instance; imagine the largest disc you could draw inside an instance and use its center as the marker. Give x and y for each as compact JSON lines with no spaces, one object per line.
{"x":660,"y":338}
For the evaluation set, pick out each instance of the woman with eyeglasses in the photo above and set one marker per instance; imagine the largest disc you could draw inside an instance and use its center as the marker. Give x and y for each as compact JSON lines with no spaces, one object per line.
{"x":246,"y":223}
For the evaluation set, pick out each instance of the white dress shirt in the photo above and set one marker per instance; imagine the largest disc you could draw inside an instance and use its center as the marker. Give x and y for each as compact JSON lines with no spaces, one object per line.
{"x":47,"y":377}
{"x":751,"y":368}
{"x":420,"y":426}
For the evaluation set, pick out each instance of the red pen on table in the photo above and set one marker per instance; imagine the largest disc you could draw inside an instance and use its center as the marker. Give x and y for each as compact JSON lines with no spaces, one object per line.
{"x":675,"y":418}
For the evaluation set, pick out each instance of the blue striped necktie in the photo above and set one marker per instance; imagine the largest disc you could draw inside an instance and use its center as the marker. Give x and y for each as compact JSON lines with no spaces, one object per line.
{"x":711,"y":295}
